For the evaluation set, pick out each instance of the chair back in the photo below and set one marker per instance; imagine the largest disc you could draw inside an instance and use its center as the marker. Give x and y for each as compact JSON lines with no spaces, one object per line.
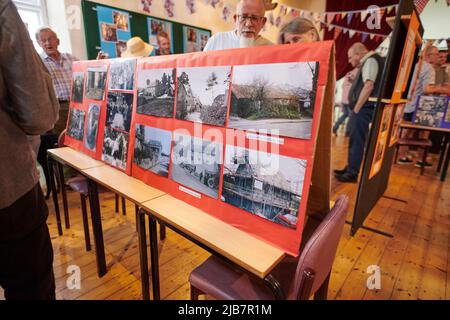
{"x":319,"y":252}
{"x":61,"y":137}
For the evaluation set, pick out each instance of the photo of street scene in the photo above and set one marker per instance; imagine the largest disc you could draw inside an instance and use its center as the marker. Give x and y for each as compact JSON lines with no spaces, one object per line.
{"x":115,"y":148}
{"x":267,"y":185}
{"x":203,"y":94}
{"x":196,"y":164}
{"x":92,"y":127}
{"x":75,"y":127}
{"x":156,"y":92}
{"x":121,"y":74}
{"x":277,"y":97}
{"x":152,"y":149}
{"x":119,"y":110}
{"x":96,"y":83}
{"x":430,"y":111}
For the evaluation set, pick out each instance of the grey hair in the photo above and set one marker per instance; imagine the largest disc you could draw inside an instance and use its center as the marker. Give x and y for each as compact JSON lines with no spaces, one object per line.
{"x":298,"y":26}
{"x":41,"y":29}
{"x":241,"y":2}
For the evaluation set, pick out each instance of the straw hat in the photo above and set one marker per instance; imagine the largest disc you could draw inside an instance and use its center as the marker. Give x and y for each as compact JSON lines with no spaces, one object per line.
{"x":136,"y":47}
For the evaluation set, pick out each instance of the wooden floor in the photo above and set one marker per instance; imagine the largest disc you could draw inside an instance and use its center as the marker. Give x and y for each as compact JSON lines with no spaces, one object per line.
{"x":415,"y":263}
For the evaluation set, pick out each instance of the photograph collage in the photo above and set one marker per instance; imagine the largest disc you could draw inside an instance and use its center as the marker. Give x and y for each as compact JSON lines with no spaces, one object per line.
{"x":194,"y":39}
{"x":244,"y":98}
{"x":115,"y":30}
{"x":284,"y":104}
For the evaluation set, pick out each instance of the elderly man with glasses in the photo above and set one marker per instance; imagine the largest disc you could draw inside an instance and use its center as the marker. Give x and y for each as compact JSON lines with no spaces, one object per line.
{"x":249,"y":20}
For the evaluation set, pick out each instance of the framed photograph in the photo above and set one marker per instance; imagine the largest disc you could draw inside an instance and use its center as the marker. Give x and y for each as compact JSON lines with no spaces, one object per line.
{"x":115,"y":148}
{"x":121,"y":46}
{"x":203,"y":94}
{"x":108,"y":32}
{"x":121,"y":74}
{"x":430,"y":111}
{"x":190,"y":40}
{"x":398,"y":117}
{"x":382,"y":139}
{"x":165,"y":29}
{"x":90,"y":141}
{"x":196,"y":164}
{"x":96,"y":83}
{"x":119,"y":110}
{"x":75,"y":127}
{"x":77,"y":87}
{"x":156,"y":92}
{"x":278,"y":98}
{"x":121,"y":20}
{"x":267,"y":185}
{"x":152,"y":149}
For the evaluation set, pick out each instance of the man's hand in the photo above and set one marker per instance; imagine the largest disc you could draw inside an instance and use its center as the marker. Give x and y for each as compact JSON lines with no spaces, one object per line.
{"x":366,"y":91}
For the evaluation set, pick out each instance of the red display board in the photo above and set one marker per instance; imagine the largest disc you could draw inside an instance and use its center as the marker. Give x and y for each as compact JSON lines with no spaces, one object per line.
{"x":232,"y":132}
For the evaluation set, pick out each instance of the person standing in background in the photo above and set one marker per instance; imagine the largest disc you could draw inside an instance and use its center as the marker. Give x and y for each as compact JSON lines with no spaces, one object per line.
{"x":60,"y":67}
{"x":346,"y":85}
{"x":28,"y":106}
{"x":249,"y":20}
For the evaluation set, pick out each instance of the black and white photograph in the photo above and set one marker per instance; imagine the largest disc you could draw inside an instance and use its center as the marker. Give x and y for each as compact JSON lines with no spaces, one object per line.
{"x":430,"y":111}
{"x":108,"y":32}
{"x":92,"y":127}
{"x":267,"y":185}
{"x":96,"y":83}
{"x":119,"y":110}
{"x":196,"y":164}
{"x":203,"y":94}
{"x":121,"y":20}
{"x":77,"y":88}
{"x":115,"y":148}
{"x":152,"y":149}
{"x":75,"y":127}
{"x":276,"y":97}
{"x":156,"y":92}
{"x":121,"y":74}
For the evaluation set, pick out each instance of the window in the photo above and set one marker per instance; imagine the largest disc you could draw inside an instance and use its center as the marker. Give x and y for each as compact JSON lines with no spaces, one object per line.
{"x":33,"y":14}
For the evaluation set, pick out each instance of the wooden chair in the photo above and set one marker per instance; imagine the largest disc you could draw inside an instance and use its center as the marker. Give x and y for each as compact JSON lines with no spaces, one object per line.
{"x":298,"y":277}
{"x":424,"y":144}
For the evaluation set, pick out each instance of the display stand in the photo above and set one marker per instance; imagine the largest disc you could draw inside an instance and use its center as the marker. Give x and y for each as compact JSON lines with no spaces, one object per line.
{"x":396,"y":80}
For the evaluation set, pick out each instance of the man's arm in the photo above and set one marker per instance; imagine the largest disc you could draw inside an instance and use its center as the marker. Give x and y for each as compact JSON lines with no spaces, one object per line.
{"x":364,"y":95}
{"x":31,"y":100}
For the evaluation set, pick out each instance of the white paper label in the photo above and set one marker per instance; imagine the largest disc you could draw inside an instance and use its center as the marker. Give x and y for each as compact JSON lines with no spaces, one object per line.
{"x":254,"y":136}
{"x":190,"y":192}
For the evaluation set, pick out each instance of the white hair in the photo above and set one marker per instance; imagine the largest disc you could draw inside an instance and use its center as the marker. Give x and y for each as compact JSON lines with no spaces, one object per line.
{"x":42,"y":29}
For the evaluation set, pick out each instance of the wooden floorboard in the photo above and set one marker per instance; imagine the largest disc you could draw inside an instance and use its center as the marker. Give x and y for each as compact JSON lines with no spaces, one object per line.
{"x":414,"y":264}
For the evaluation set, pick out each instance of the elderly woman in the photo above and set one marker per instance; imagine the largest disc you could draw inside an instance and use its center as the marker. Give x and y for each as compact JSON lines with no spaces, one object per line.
{"x":298,"y":30}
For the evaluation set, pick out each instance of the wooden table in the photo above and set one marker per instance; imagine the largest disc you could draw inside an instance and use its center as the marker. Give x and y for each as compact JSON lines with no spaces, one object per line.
{"x":254,"y":256}
{"x":74,"y":159}
{"x":445,"y":151}
{"x":98,"y":173}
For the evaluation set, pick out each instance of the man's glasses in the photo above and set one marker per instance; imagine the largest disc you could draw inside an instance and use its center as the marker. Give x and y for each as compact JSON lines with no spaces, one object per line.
{"x":249,"y":17}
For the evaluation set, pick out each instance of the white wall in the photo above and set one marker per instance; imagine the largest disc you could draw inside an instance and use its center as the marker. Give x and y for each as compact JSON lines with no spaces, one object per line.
{"x":63,"y":20}
{"x":436,"y":20}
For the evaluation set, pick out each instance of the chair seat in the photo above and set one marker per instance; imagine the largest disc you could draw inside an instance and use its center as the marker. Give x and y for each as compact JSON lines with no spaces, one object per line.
{"x":78,"y":184}
{"x":231,"y":284}
{"x":415,"y":142}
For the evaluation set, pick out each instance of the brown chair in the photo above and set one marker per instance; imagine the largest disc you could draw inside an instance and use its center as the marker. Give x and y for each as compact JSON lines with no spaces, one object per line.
{"x":424,"y":144}
{"x":298,"y":277}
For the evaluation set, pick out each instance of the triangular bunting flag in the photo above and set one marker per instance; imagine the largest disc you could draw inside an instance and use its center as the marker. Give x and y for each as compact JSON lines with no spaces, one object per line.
{"x":351,"y":33}
{"x":382,"y":11}
{"x":363,"y":15}
{"x":337,"y":32}
{"x":389,"y":9}
{"x":330,"y":17}
{"x":343,"y":14}
{"x":330,"y":27}
{"x":371,"y":36}
{"x":364,"y":37}
{"x":349,"y":18}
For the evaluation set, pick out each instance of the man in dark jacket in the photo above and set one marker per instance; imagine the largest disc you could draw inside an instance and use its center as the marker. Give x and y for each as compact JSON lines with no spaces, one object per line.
{"x":367,"y":84}
{"x":28,"y":106}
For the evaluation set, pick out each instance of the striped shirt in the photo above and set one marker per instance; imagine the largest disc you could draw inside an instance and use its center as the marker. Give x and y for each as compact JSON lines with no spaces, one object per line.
{"x":61,"y":73}
{"x":426,"y":77}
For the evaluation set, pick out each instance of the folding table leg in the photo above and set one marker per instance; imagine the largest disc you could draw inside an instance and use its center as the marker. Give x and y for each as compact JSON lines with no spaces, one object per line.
{"x":87,"y":237}
{"x":124,"y":207}
{"x":64,"y":194}
{"x":54,"y":194}
{"x":154,"y":257}
{"x":143,"y":257}
{"x":97,"y":228}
